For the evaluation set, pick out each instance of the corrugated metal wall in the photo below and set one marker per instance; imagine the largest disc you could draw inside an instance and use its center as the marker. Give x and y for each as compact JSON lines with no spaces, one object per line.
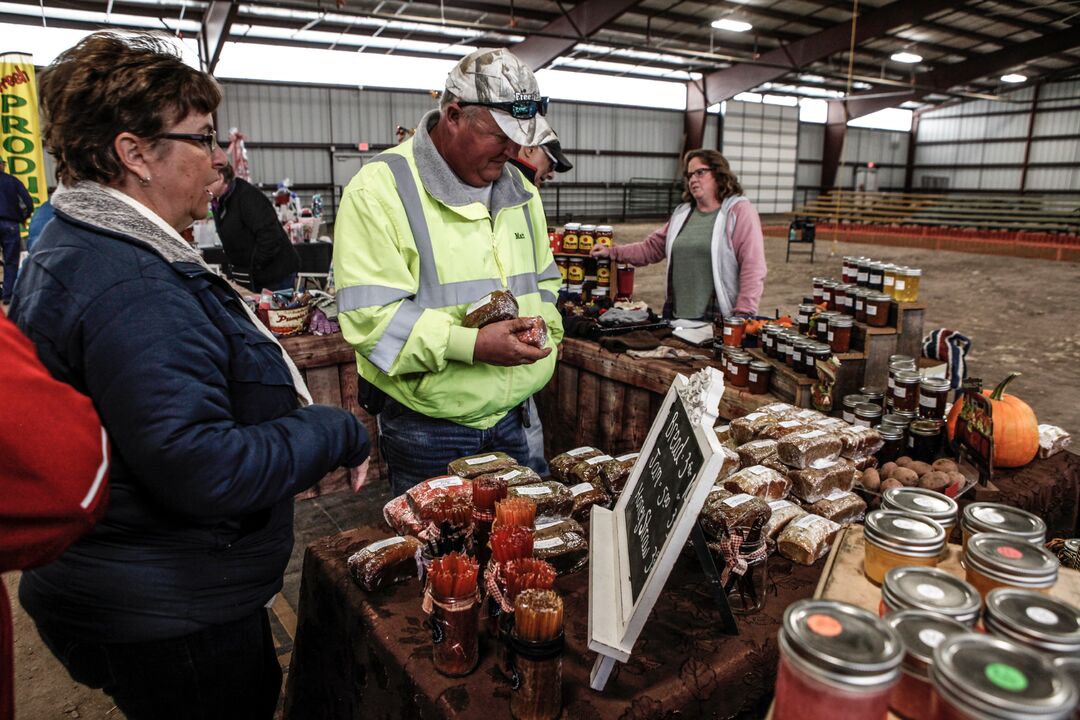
{"x":886,"y":149}
{"x":761,"y":142}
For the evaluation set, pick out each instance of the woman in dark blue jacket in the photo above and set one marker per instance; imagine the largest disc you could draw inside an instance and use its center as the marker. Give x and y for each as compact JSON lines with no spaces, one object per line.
{"x":163,"y":604}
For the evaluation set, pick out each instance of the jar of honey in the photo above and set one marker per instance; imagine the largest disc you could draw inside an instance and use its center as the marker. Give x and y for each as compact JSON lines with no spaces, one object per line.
{"x":758,"y":377}
{"x":995,"y":560}
{"x":980,"y":517}
{"x":930,"y":589}
{"x":570,"y":237}
{"x":836,"y":661}
{"x":888,"y":283}
{"x":940,"y":508}
{"x":605,"y":236}
{"x":840,"y":333}
{"x":586,"y":237}
{"x":603,"y":273}
{"x":877,"y":309}
{"x":978,"y":677}
{"x":904,"y":393}
{"x":898,"y":539}
{"x":575,"y":273}
{"x":1033,"y":619}
{"x":920,"y":632}
{"x":734,"y":328}
{"x":907,"y":284}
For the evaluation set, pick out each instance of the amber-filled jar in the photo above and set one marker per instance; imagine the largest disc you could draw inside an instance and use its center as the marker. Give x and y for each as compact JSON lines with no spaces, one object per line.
{"x":859,"y":304}
{"x":563,"y":262}
{"x":888,"y":283}
{"x":995,"y":560}
{"x":836,"y":661}
{"x":575,"y":273}
{"x":867,"y":415}
{"x":904,"y":394}
{"x":876,"y":278}
{"x":759,"y":376}
{"x":925,"y":438}
{"x":740,"y":369}
{"x":991,"y":517}
{"x":828,"y":294}
{"x":1033,"y":619}
{"x":850,"y":403}
{"x":819,"y":289}
{"x":907,"y":284}
{"x":586,"y":238}
{"x":940,"y":508}
{"x":822,"y":329}
{"x":920,"y":632}
{"x":805,"y":313}
{"x":734,"y":328}
{"x":840,"y":333}
{"x":873,"y":395}
{"x":570,"y":237}
{"x":603,"y":273}
{"x":605,"y":235}
{"x":933,"y":396}
{"x":931,"y":589}
{"x":877,"y":309}
{"x":892,"y":444}
{"x":898,"y":539}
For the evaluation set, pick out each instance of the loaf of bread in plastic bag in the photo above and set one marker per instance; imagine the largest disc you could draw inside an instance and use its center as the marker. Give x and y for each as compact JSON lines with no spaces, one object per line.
{"x":384,"y":562}
{"x":760,"y":481}
{"x":806,"y":539}
{"x":802,"y":449}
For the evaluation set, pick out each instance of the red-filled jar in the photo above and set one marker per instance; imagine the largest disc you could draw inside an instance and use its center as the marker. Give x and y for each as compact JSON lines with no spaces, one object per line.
{"x":904,"y":394}
{"x":850,"y":272}
{"x":625,"y":281}
{"x":822,"y":329}
{"x":828,"y":294}
{"x":920,"y":632}
{"x":877,"y":309}
{"x":734,"y":328}
{"x":819,"y":290}
{"x":858,"y":304}
{"x":933,"y":396}
{"x":795,"y":359}
{"x":837,"y":662}
{"x":760,"y":374}
{"x":892,"y":447}
{"x":740,"y":369}
{"x":840,"y":333}
{"x":841,"y":298}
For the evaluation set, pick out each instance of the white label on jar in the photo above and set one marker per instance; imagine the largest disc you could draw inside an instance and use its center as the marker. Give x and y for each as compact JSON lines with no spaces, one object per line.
{"x":548,"y":543}
{"x":849,"y":417}
{"x":925,"y":502}
{"x":633,"y":456}
{"x":478,"y":304}
{"x":836,"y":494}
{"x":911,"y":441}
{"x":509,"y":475}
{"x":889,"y":281}
{"x":875,"y":279}
{"x":930,"y":592}
{"x":900,"y":284}
{"x":804,"y":319}
{"x":580,"y":451}
{"x":779,"y":504}
{"x":580,"y":488}
{"x":861,"y":277}
{"x":871,"y":309}
{"x":830,"y":336}
{"x":377,"y":546}
{"x":727,"y":331}
{"x":930,"y":637}
{"x":546,"y":524}
{"x":598,"y":459}
{"x":858,"y":304}
{"x":826,"y":296}
{"x":823,"y":326}
{"x":797,"y":356}
{"x":1042,"y":615}
{"x":445,"y":483}
{"x":481,"y":460}
{"x":989,"y":515}
{"x":790,"y":423}
{"x":910,"y":525}
{"x":862,"y":423}
{"x":737,"y":500}
{"x":532,"y":490}
{"x":753,"y":377}
{"x":811,"y":435}
{"x":899,"y":392}
{"x":892,"y":383}
{"x":927,"y":401}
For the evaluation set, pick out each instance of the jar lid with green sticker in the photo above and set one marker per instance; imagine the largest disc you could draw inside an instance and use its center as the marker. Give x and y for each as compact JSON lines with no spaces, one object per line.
{"x":987,"y":678}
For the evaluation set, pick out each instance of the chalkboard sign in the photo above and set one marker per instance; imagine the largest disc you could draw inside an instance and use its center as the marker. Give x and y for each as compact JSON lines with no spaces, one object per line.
{"x":655,"y":501}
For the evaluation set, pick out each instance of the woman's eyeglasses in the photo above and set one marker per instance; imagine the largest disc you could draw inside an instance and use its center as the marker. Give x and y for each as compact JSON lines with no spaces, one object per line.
{"x":699,"y":173}
{"x":208,"y":140}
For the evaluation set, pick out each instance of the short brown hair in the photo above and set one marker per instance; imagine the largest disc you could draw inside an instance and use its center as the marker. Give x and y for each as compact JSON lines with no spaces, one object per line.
{"x":726,"y":182}
{"x":108,"y":84}
{"x":227,"y":173}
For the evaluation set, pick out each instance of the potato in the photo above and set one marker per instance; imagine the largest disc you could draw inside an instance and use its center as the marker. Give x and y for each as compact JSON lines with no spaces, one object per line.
{"x":934,"y":480}
{"x":946,"y":466}
{"x":904,"y":461}
{"x":870,"y":479}
{"x":890,"y":484}
{"x":957,"y":479}
{"x":920,"y":468}
{"x":887,"y":470}
{"x":906,"y":476}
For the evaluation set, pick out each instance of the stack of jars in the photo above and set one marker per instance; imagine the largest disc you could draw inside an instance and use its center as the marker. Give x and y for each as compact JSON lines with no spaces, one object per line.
{"x":898,"y":282}
{"x":788,"y":346}
{"x":592,"y":278}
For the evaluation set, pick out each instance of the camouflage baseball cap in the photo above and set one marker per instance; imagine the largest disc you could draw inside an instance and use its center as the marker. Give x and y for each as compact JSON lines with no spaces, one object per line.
{"x":498,"y":76}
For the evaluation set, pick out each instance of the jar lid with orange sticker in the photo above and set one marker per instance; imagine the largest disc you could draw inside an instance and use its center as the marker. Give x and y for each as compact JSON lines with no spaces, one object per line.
{"x":1010,"y":560}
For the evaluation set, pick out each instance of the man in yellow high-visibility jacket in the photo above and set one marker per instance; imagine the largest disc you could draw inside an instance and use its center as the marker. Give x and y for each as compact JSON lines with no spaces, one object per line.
{"x":425,"y":230}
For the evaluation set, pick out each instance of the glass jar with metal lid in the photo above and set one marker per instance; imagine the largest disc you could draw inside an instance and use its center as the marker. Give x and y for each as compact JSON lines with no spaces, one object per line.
{"x":850,"y":402}
{"x":932,"y":589}
{"x":805,"y":313}
{"x":858,"y":303}
{"x":850,"y":271}
{"x":925,"y":438}
{"x":981,"y":517}
{"x":906,"y":288}
{"x":759,"y":376}
{"x":818,"y":352}
{"x":900,"y":420}
{"x":769,"y":337}
{"x":877,"y":309}
{"x":740,"y":369}
{"x":828,"y":296}
{"x":888,"y":282}
{"x":899,"y":363}
{"x":798,"y":350}
{"x":734,"y":329}
{"x":605,"y":235}
{"x":586,"y":238}
{"x":873,"y":394}
{"x":1034,"y":619}
{"x":836,"y":660}
{"x":904,"y":394}
{"x":978,"y":677}
{"x":840,"y":333}
{"x":819,"y":285}
{"x":940,"y":508}
{"x":933,"y":397}
{"x":862,"y":277}
{"x":876,"y":278}
{"x":570,"y":237}
{"x":1071,"y":667}
{"x":867,"y":415}
{"x":892,"y":443}
{"x":993,"y":560}
{"x":899,"y":539}
{"x":920,"y":632}
{"x":843,"y":301}
{"x":783,"y":345}
{"x":822,"y":329}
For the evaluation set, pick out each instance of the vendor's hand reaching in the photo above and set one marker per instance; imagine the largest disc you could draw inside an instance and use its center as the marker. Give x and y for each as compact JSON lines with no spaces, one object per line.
{"x":498,"y":344}
{"x":600,"y":251}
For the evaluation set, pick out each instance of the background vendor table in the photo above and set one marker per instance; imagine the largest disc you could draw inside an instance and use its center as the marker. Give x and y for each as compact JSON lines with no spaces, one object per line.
{"x":360,"y":655}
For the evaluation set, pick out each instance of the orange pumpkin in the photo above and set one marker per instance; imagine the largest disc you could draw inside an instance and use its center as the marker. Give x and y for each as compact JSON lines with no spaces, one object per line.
{"x":1016,"y":431}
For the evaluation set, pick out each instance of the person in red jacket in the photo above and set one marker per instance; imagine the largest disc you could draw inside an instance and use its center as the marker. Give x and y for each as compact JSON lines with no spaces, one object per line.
{"x":54,"y":474}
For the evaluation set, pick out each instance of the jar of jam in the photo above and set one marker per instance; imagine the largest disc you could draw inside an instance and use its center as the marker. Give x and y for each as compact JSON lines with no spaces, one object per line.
{"x":598,"y":293}
{"x":978,"y":677}
{"x":850,"y":272}
{"x":867,"y":415}
{"x":575,"y":273}
{"x":1033,"y":619}
{"x":888,"y":281}
{"x":768,"y":339}
{"x":840,"y":333}
{"x":822,"y":329}
{"x":805,"y":313}
{"x":907,"y":284}
{"x":862,"y":277}
{"x":920,"y":632}
{"x":899,"y":539}
{"x":740,"y":369}
{"x":795,"y":359}
{"x":563,"y":262}
{"x":570,"y":237}
{"x":933,"y":396}
{"x":603,"y":273}
{"x":783,"y":346}
{"x":930,"y":589}
{"x":840,"y":297}
{"x":995,"y":560}
{"x":925,"y":438}
{"x":828,"y":294}
{"x":897,"y":421}
{"x":850,"y":403}
{"x":892,"y":447}
{"x":904,"y":394}
{"x":980,"y":517}
{"x":858,"y":299}
{"x":819,"y":290}
{"x":873,"y":395}
{"x":836,"y":661}
{"x":734,"y":328}
{"x":758,"y":377}
{"x":810,"y":358}
{"x":877,"y":309}
{"x":586,"y":237}
{"x":876,"y":279}
{"x":624,"y":281}
{"x":898,"y":363}
{"x":605,"y":236}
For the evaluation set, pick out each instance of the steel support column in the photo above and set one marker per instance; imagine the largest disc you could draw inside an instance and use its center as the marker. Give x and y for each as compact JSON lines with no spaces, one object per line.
{"x":565,"y":31}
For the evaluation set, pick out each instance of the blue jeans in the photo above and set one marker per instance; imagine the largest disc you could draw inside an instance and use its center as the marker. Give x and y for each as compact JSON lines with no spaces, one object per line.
{"x":12,"y":247}
{"x":417,"y":447}
{"x":534,"y":435}
{"x":227,"y":671}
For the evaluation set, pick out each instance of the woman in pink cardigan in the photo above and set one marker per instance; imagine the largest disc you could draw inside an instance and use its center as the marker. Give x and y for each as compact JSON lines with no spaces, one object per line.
{"x":716,"y":228}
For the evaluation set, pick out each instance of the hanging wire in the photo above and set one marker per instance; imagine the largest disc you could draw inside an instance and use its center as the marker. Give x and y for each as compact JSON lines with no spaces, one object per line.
{"x":843,"y":145}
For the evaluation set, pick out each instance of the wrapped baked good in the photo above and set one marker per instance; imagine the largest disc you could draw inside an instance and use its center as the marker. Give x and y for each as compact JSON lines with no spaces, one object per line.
{"x":806,"y":539}
{"x":755,"y":452}
{"x":829,"y":424}
{"x":514,"y":475}
{"x":585,"y":495}
{"x":858,"y":442}
{"x":552,"y":499}
{"x":400,"y":516}
{"x":615,"y":472}
{"x":725,"y":514}
{"x":778,"y":408}
{"x":536,"y":335}
{"x":843,"y":508}
{"x":782,"y":428}
{"x":747,"y":427}
{"x":421,"y":495}
{"x":493,"y":307}
{"x":723,"y":432}
{"x":563,"y":543}
{"x":729,"y":463}
{"x":773,"y":463}
{"x":587,"y":471}
{"x":783,"y":512}
{"x":385,"y":562}
{"x":758,"y":480}
{"x":1052,"y":440}
{"x":482,"y":464}
{"x":561,"y":464}
{"x":805,"y":448}
{"x":813,"y":483}
{"x":808,"y":416}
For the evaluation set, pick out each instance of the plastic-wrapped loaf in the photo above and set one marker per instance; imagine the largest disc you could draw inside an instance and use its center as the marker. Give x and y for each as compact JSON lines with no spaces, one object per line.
{"x":806,"y":448}
{"x":782,"y":428}
{"x":729,"y":463}
{"x":829,"y":424}
{"x":536,"y":335}
{"x":778,"y":408}
{"x":841,"y":507}
{"x":514,"y":475}
{"x":814,"y":483}
{"x":563,"y":543}
{"x":808,"y":416}
{"x":746,"y":428}
{"x":482,"y":464}
{"x":723,"y":432}
{"x":721,"y":515}
{"x":588,"y":471}
{"x":783,"y":512}
{"x":773,"y":463}
{"x":561,"y":464}
{"x":806,"y":539}
{"x":585,"y":495}
{"x":552,"y":499}
{"x":615,"y":472}
{"x":858,"y":441}
{"x":384,"y":563}
{"x":1052,"y":440}
{"x":493,"y":307}
{"x":758,"y":480}
{"x":755,"y":452}
{"x":400,"y":517}
{"x":421,"y":495}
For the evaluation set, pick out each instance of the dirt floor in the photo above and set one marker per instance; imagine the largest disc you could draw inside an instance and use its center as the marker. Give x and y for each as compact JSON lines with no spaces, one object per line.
{"x":1020,"y":314}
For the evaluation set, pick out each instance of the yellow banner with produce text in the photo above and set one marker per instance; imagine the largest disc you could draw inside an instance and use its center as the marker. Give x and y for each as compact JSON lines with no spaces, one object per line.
{"x":20,"y":128}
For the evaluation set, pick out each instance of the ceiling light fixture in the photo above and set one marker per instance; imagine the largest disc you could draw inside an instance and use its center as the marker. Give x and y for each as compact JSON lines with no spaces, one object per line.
{"x":732,"y":25}
{"x":1013,"y":78}
{"x":905,"y":57}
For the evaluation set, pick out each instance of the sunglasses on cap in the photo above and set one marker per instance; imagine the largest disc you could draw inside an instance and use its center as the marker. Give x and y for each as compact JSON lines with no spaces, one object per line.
{"x":518,"y":109}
